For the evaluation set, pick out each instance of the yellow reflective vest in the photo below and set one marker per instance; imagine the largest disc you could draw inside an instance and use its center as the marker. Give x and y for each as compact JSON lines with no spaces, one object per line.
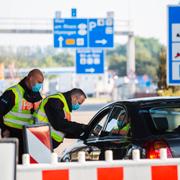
{"x":20,"y":114}
{"x":122,"y":131}
{"x":40,"y":115}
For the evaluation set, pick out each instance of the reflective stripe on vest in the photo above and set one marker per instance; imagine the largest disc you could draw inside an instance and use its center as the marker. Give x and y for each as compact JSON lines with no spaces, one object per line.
{"x":18,"y":116}
{"x":40,"y":115}
{"x":57,"y":135}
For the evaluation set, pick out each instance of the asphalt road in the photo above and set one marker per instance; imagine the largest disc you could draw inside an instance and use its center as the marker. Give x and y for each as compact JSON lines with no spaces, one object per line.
{"x":91,"y":107}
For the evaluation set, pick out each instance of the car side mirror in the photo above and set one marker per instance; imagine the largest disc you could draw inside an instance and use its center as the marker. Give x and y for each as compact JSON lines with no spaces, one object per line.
{"x":97,"y":130}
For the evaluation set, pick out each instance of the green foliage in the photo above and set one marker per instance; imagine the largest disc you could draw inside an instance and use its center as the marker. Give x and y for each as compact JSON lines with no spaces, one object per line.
{"x":147,"y":56}
{"x":162,"y":84}
{"x":163,"y":88}
{"x":116,"y":60}
{"x":146,"y":53}
{"x":27,"y":57}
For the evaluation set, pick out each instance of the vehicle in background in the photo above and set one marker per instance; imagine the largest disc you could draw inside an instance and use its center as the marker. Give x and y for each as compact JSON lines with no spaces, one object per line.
{"x":154,"y":124}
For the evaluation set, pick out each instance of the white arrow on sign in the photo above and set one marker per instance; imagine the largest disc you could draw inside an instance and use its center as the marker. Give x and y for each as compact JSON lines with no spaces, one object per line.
{"x":102,"y":41}
{"x":60,"y":39}
{"x":90,"y":70}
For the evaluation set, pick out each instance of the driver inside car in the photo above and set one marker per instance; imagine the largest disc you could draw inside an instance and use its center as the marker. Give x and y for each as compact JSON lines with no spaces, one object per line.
{"x":122,"y":127}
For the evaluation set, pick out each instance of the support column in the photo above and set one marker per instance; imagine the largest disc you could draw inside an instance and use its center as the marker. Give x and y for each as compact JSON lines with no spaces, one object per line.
{"x":131,"y":56}
{"x":131,"y":70}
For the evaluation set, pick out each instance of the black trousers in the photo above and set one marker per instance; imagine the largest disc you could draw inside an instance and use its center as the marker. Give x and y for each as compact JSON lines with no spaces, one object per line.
{"x":16,"y":133}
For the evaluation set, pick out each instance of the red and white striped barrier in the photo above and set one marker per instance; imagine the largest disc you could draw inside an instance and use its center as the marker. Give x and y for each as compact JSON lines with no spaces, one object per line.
{"x":162,"y":169}
{"x":38,"y":143}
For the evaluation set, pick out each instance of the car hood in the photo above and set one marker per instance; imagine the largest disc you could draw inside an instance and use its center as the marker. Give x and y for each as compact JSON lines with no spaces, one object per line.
{"x":73,"y":147}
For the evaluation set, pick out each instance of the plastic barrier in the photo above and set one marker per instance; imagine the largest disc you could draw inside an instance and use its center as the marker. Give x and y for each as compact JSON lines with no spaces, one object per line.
{"x":136,"y":169}
{"x":37,"y":143}
{"x":8,"y":158}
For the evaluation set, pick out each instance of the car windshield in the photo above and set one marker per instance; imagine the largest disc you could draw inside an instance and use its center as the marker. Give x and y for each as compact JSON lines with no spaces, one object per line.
{"x":166,"y":119}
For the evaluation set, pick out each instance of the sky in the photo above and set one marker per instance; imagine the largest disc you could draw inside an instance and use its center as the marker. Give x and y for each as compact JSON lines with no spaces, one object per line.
{"x":148,"y":18}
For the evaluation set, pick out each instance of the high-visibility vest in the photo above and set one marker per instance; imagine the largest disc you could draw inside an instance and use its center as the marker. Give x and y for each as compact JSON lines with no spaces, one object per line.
{"x":124,"y":130}
{"x":20,"y":114}
{"x":40,"y":115}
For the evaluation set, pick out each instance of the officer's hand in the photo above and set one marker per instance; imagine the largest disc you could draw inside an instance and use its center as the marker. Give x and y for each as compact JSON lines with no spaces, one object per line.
{"x":84,"y":127}
{"x":84,"y":135}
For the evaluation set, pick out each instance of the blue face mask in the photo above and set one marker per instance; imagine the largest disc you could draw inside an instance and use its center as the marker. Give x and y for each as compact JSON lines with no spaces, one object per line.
{"x":75,"y":106}
{"x":37,"y":87}
{"x":120,"y":123}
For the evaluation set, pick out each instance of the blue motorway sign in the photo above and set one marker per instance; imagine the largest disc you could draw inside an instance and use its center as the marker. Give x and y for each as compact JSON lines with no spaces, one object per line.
{"x":101,"y":32}
{"x":89,"y":61}
{"x":173,"y":57}
{"x":70,"y":33}
{"x":81,"y":33}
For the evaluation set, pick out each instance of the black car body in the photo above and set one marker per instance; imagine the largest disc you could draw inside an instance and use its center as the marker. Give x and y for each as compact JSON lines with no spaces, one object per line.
{"x":154,"y":124}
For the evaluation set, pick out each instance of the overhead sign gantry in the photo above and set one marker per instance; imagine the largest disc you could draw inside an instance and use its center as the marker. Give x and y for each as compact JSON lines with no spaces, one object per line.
{"x":83,"y":33}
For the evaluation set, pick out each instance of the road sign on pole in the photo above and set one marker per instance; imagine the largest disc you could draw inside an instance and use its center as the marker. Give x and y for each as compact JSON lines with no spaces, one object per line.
{"x":70,"y":33}
{"x":101,"y":33}
{"x":173,"y":55}
{"x":73,"y":12}
{"x":89,"y":61}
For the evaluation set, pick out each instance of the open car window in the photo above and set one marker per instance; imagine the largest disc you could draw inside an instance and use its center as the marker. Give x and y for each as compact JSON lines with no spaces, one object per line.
{"x":100,"y":120}
{"x":117,"y":122}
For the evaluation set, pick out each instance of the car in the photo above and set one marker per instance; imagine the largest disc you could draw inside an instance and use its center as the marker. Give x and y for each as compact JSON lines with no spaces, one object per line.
{"x":154,"y":123}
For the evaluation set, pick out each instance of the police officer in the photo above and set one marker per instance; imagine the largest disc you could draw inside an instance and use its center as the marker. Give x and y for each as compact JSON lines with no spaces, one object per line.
{"x":17,"y":105}
{"x":56,"y":110}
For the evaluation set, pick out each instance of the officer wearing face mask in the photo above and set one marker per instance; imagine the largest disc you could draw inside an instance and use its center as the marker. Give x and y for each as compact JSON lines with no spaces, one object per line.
{"x":17,"y":105}
{"x":56,"y":110}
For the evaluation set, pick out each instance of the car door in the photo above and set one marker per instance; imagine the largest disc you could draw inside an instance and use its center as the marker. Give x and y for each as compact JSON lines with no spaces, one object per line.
{"x":92,"y":152}
{"x":105,"y":139}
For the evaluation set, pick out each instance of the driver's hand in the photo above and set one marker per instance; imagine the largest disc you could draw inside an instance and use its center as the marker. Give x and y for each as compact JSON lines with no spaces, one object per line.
{"x":6,"y":133}
{"x":115,"y":131}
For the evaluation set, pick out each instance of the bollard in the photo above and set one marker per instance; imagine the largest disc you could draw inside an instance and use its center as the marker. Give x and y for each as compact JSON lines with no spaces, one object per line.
{"x":54,"y":158}
{"x":136,"y":154}
{"x":108,"y":155}
{"x":163,"y":153}
{"x":81,"y":157}
{"x":25,"y":159}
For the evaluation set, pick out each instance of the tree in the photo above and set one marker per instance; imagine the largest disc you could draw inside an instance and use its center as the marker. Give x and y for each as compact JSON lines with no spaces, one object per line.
{"x":146,"y":57}
{"x":162,"y":83}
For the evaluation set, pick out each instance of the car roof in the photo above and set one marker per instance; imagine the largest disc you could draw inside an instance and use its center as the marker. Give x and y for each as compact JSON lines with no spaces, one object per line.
{"x":150,"y":100}
{"x":145,"y":101}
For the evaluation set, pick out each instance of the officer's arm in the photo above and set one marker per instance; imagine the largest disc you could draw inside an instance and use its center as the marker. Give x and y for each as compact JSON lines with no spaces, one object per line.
{"x":7,"y":101}
{"x":56,"y":117}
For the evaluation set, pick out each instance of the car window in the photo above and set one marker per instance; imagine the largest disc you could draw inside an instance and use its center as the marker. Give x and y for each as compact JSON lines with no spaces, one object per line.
{"x":100,"y":119}
{"x":117,"y":121}
{"x":166,"y":119}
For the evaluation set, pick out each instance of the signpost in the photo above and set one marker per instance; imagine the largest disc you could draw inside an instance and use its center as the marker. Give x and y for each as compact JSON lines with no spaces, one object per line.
{"x":173,"y":56}
{"x":89,"y":61}
{"x":90,"y":34}
{"x":101,"y":33}
{"x":73,"y":12}
{"x":70,"y":33}
{"x":84,"y":33}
